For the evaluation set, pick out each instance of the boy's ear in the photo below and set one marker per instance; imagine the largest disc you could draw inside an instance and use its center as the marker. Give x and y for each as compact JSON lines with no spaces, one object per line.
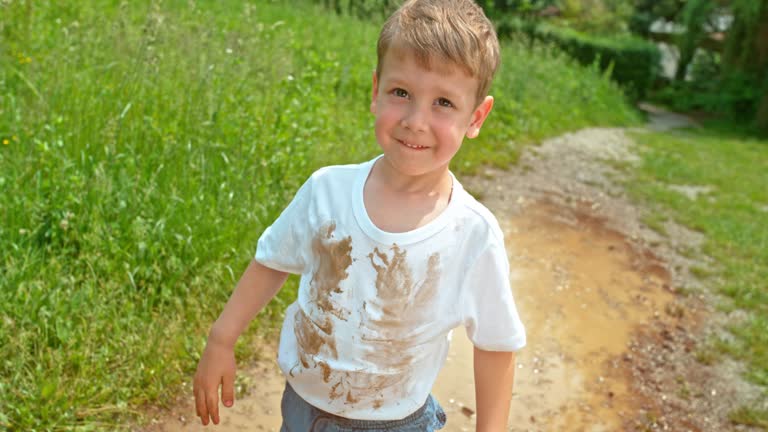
{"x":374,"y":92}
{"x":479,"y":116}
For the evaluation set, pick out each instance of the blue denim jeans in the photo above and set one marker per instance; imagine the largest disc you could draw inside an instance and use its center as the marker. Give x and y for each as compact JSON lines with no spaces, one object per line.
{"x":300,"y":416}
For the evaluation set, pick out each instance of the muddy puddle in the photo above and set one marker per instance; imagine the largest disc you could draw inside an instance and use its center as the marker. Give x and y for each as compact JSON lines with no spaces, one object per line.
{"x":582,"y":290}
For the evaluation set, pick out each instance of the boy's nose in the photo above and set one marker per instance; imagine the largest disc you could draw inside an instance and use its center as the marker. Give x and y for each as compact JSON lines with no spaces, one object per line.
{"x":415,"y":119}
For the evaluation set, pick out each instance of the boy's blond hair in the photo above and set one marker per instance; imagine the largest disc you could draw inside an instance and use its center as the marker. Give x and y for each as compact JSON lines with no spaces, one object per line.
{"x":451,"y":31}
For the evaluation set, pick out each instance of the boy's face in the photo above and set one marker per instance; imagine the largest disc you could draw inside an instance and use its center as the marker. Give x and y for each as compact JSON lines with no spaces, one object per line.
{"x":423,"y":115}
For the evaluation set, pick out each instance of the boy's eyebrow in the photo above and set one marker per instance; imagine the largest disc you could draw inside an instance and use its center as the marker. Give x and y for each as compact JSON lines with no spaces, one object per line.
{"x":445,"y":92}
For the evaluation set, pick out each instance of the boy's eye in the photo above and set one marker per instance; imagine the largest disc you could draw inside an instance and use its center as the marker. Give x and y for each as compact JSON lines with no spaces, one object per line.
{"x":400,"y":92}
{"x":443,"y":102}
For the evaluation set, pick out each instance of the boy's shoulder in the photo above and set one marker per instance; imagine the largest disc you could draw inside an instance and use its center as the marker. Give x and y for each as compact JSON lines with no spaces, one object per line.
{"x":329,"y":178}
{"x":334,"y":172}
{"x":480,"y":219}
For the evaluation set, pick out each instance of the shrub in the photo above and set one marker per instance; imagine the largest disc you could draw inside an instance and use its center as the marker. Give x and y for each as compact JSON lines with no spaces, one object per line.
{"x":632,"y":62}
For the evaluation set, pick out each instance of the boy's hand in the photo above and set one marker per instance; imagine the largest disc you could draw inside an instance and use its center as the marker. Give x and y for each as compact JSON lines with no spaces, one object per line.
{"x":216,"y":367}
{"x":256,"y":287}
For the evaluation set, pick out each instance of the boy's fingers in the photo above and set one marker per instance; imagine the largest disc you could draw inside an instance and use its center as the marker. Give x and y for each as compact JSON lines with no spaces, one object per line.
{"x":200,"y":407}
{"x":212,"y":401}
{"x":197,"y":403}
{"x":197,"y":399}
{"x":228,"y":390}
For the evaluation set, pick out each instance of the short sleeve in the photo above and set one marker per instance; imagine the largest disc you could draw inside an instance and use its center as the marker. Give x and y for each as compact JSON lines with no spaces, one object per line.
{"x":283,"y":245}
{"x":488,"y":307}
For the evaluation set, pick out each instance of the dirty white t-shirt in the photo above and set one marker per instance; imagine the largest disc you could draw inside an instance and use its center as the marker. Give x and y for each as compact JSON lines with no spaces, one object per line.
{"x":371,"y":326}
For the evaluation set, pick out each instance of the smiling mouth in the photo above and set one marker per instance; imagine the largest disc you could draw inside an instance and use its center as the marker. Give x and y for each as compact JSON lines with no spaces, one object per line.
{"x":412,"y":146}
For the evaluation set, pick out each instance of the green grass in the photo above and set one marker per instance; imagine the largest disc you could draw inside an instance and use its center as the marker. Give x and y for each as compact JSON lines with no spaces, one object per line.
{"x":733,"y":217}
{"x":751,"y":417}
{"x":146,"y":145}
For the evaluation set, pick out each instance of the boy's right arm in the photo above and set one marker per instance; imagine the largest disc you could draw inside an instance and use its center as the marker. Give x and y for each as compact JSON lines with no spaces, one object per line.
{"x":254,"y":290}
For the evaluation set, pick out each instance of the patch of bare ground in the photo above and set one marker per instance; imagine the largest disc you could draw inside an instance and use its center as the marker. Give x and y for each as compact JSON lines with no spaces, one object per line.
{"x":567,"y":193}
{"x":258,"y":392}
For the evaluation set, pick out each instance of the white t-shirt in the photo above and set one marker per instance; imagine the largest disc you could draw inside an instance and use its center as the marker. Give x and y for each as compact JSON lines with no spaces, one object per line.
{"x":371,"y":326}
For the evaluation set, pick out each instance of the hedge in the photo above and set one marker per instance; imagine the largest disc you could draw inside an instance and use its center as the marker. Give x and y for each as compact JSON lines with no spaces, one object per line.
{"x":632,"y":62}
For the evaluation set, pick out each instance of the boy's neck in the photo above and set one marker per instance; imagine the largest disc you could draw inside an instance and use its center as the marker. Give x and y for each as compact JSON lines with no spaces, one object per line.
{"x":434,"y":182}
{"x":398,"y":203}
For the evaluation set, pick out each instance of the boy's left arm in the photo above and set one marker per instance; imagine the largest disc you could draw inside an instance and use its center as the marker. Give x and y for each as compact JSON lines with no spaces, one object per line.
{"x":494,"y":376}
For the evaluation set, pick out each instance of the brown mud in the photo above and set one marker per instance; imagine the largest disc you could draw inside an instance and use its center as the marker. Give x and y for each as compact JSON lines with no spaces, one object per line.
{"x":614,"y":318}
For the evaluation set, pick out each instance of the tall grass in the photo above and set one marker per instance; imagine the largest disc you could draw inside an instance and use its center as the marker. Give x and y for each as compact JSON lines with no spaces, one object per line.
{"x":146,"y":145}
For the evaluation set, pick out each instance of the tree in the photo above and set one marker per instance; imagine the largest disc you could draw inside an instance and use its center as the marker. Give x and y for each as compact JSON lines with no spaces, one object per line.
{"x":695,"y":16}
{"x":743,"y":70}
{"x":646,"y":12}
{"x":746,"y":50}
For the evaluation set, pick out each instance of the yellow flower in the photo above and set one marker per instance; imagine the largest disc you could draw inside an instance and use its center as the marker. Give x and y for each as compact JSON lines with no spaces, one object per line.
{"x":5,"y":141}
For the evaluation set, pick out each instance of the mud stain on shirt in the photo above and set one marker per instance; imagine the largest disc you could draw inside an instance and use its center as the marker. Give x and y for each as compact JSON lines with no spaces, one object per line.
{"x":315,"y":335}
{"x":428,"y":288}
{"x":311,"y":338}
{"x":393,"y":275}
{"x":326,"y":370}
{"x":334,"y":258}
{"x":387,"y":320}
{"x":356,"y":388}
{"x":401,"y":300}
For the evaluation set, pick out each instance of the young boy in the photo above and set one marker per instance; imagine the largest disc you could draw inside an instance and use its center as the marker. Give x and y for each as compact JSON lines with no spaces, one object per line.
{"x":393,"y":253}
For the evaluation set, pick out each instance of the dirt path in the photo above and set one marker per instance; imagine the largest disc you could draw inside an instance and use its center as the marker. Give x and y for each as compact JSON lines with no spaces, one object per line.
{"x":612,"y":342}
